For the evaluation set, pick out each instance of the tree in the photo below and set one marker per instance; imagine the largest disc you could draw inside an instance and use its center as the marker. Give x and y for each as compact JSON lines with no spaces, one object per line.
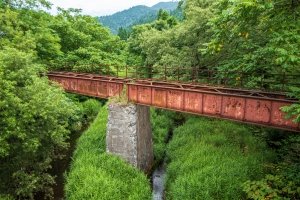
{"x":29,"y":4}
{"x":86,"y":45}
{"x":123,"y":33}
{"x":166,"y":42}
{"x":34,"y":125}
{"x":262,"y":36}
{"x":29,"y":31}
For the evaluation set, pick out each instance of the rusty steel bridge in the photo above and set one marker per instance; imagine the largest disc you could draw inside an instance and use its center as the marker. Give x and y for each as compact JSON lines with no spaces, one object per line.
{"x":243,"y":105}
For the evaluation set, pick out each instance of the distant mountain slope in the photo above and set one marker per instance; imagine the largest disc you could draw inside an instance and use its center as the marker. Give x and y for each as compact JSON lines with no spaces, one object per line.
{"x":134,"y":15}
{"x":172,"y":5}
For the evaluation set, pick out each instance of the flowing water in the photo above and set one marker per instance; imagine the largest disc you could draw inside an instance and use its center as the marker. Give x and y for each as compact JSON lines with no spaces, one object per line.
{"x":158,"y":181}
{"x":60,"y":167}
{"x":159,"y":175}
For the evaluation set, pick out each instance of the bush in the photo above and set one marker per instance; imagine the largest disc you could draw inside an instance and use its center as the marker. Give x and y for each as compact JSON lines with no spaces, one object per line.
{"x":272,"y":187}
{"x":283,"y":182}
{"x":86,"y":110}
{"x":91,"y":108}
{"x":5,"y":197}
{"x":211,"y":159}
{"x":97,"y":175}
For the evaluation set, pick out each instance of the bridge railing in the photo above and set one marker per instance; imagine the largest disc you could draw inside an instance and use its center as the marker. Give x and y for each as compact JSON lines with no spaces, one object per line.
{"x":266,"y":81}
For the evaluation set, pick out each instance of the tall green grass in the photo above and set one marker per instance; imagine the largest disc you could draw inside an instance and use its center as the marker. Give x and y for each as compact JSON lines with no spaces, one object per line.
{"x":211,"y":159}
{"x":162,"y":124}
{"x":95,"y":175}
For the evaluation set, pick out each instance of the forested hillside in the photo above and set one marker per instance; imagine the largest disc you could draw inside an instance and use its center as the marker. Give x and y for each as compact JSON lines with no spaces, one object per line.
{"x":135,"y":15}
{"x":229,"y":37}
{"x":170,"y":5}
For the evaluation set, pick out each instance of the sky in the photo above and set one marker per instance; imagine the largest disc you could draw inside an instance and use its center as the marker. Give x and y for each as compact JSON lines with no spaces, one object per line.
{"x":100,"y":7}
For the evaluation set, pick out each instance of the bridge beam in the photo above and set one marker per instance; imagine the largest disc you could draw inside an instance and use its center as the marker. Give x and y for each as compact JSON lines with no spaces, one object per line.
{"x":129,"y":134}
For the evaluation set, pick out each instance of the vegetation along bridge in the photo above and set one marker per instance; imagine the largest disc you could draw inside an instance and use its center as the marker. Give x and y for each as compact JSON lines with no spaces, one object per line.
{"x":249,"y":106}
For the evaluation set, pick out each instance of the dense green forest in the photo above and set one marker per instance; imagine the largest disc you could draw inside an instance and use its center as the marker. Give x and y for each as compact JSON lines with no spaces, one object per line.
{"x":38,"y":119}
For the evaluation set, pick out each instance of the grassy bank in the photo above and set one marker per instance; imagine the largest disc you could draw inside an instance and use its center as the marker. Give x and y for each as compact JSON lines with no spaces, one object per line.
{"x":162,"y":124}
{"x":211,"y":159}
{"x":97,"y":175}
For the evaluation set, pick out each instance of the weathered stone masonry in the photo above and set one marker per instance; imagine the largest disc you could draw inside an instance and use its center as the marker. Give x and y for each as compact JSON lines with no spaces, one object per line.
{"x":129,"y":134}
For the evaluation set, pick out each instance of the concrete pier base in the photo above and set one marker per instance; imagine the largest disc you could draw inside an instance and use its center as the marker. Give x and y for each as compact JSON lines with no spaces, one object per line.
{"x":129,"y":134}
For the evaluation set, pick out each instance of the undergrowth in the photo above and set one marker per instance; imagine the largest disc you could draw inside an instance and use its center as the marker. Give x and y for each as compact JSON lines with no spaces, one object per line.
{"x":283,"y":179}
{"x":211,"y":159}
{"x":97,"y":175}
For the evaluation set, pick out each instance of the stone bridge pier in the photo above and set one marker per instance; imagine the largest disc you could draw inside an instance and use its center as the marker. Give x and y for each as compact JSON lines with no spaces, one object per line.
{"x":129,"y":134}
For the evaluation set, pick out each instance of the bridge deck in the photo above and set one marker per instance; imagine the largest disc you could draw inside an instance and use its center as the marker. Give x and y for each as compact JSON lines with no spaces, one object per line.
{"x":249,"y":106}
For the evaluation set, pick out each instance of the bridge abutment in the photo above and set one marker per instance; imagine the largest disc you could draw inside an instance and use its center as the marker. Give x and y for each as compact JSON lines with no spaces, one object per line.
{"x":129,"y":134}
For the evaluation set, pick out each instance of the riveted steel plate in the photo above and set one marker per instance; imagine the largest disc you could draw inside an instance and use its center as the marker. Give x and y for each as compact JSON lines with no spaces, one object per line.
{"x":175,"y":99}
{"x":102,"y":89}
{"x":144,"y":95}
{"x":233,"y":107}
{"x":159,"y":97}
{"x":258,"y":110}
{"x":114,"y":89}
{"x":132,"y":93}
{"x":212,"y":104}
{"x":193,"y":102}
{"x":278,"y":117}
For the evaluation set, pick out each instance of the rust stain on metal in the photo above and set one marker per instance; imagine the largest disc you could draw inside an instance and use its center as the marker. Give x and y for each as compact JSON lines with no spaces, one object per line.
{"x":113,"y":89}
{"x":65,"y":83}
{"x":102,"y":89}
{"x":258,"y":111}
{"x":92,"y":90}
{"x":132,"y":93}
{"x":193,"y":102}
{"x":144,"y":95}
{"x":212,"y":104}
{"x":83,"y":85}
{"x":277,"y":116}
{"x":72,"y":84}
{"x":175,"y":99}
{"x":233,"y":107}
{"x":159,"y":97}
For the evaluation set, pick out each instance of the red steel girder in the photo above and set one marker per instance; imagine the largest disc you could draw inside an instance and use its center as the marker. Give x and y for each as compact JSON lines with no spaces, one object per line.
{"x":249,"y":106}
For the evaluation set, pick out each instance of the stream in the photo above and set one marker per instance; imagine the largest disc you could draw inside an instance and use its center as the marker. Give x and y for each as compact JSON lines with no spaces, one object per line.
{"x":159,"y":174}
{"x":60,"y":167}
{"x":158,"y":182}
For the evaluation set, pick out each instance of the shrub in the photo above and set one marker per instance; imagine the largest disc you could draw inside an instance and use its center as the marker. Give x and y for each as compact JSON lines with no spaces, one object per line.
{"x":283,"y":182}
{"x":5,"y":197}
{"x":272,"y":187}
{"x":91,"y":108}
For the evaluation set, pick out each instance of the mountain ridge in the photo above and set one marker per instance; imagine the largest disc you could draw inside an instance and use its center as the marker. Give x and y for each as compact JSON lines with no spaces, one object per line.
{"x":134,"y":14}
